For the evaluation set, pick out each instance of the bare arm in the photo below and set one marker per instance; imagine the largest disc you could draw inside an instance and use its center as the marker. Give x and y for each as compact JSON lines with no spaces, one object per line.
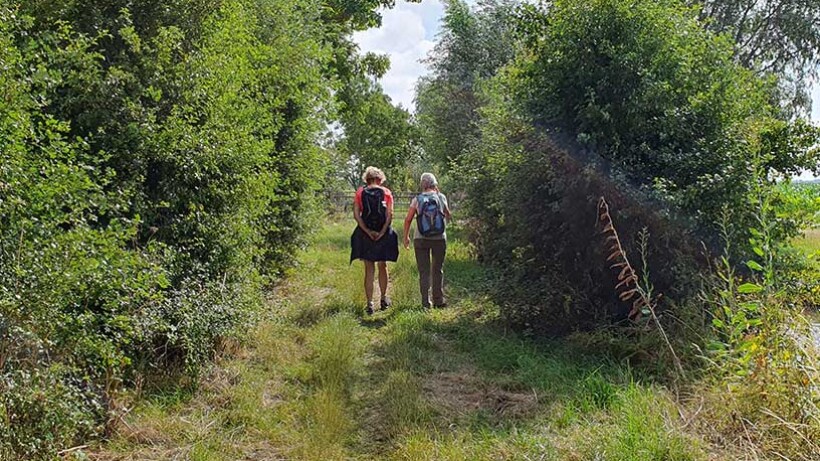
{"x":408,"y":221}
{"x":447,"y":215}
{"x":357,"y":215}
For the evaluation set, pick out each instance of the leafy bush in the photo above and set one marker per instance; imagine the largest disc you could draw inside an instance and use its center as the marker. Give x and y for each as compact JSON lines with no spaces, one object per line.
{"x":645,"y":86}
{"x":535,"y":208}
{"x":157,"y":166}
{"x":635,"y":102}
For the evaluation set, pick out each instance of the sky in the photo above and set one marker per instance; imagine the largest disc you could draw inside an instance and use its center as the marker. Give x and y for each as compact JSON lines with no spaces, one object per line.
{"x":407,"y":35}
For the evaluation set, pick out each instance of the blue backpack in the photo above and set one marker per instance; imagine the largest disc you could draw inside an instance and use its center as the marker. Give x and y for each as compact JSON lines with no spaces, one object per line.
{"x":430,"y":215}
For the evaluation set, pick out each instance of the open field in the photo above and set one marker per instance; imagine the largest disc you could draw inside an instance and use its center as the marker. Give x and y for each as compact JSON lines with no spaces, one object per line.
{"x":810,"y":241}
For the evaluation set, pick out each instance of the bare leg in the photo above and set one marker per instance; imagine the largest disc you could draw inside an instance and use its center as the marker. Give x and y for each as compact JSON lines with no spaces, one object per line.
{"x":369,"y":275}
{"x":383,"y":278}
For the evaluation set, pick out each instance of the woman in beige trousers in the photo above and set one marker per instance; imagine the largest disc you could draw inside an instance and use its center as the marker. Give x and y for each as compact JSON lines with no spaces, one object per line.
{"x":431,"y":211}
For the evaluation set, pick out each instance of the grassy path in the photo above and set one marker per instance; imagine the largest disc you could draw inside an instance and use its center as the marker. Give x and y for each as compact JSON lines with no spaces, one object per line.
{"x":320,"y":381}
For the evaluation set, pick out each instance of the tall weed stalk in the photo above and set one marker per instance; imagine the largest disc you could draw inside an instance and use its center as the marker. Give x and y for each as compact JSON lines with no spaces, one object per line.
{"x":632,"y":287}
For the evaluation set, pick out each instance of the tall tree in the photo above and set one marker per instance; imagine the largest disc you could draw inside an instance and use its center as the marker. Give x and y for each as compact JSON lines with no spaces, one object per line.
{"x":156,"y":162}
{"x":780,"y":37}
{"x":375,"y":132}
{"x":473,"y":45}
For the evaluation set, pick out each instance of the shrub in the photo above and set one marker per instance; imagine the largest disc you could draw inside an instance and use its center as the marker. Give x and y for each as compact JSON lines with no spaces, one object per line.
{"x":537,"y":211}
{"x":647,"y":87}
{"x":157,"y":164}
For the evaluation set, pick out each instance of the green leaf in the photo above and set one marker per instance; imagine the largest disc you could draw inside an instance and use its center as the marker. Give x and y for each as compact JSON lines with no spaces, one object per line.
{"x":758,"y":251}
{"x":754,"y":265}
{"x":749,"y":288}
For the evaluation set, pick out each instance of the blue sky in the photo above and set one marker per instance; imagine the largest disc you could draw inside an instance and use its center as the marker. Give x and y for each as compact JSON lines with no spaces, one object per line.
{"x":408,"y":33}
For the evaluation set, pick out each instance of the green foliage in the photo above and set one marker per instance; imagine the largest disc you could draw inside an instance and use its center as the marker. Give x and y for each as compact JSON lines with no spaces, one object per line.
{"x":799,"y":203}
{"x":535,"y":219}
{"x":470,"y":50}
{"x":158,"y":163}
{"x":602,"y":97}
{"x":375,"y":133}
{"x":646,"y":87}
{"x":763,"y":352}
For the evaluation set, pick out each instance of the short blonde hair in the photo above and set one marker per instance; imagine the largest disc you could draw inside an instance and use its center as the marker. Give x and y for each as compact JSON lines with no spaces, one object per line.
{"x":372,"y":174}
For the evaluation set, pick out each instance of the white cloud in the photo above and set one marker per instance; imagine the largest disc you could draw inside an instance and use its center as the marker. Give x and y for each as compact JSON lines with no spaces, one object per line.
{"x":406,"y":35}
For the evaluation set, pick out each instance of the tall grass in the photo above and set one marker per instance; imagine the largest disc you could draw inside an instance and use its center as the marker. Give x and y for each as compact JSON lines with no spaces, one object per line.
{"x":643,"y":426}
{"x":338,"y":345}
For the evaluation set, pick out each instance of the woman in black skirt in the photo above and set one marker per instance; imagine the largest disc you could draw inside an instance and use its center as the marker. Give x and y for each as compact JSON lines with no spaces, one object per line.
{"x":374,"y":241}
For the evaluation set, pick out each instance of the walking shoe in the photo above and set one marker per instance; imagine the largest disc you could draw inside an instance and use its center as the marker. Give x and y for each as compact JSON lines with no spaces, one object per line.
{"x":369,"y":308}
{"x":386,"y":302}
{"x":440,"y":305}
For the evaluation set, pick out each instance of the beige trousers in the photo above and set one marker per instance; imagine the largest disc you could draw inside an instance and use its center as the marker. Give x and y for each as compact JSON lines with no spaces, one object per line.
{"x":430,"y":260}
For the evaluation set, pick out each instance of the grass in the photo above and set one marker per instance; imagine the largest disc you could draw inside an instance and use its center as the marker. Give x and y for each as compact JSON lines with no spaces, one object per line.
{"x":809,"y":241}
{"x":319,"y":380}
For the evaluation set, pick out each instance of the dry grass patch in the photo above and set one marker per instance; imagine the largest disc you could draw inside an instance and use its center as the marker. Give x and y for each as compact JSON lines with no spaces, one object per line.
{"x":459,"y":393}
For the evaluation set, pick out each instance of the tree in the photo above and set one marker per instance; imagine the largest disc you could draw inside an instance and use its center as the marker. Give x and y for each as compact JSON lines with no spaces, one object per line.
{"x":778,"y":37}
{"x":471,"y":49}
{"x":158,"y":162}
{"x":646,"y":87}
{"x":375,"y":132}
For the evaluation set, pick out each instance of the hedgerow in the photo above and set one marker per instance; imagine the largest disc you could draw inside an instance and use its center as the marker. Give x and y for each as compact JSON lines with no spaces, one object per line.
{"x":159,"y":163}
{"x":640,"y":104}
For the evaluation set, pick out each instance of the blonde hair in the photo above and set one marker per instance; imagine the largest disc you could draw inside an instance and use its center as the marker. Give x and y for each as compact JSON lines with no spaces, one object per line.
{"x":373,"y":174}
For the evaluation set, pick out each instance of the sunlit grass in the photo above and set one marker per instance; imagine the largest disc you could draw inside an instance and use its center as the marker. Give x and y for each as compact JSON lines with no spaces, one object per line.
{"x":319,"y":380}
{"x":809,"y":241}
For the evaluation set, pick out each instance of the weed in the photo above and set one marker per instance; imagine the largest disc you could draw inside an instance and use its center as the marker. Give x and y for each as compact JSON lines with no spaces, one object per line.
{"x":630,"y":287}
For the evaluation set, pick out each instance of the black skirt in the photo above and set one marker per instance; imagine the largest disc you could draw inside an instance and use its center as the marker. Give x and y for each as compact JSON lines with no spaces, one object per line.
{"x":384,"y":249}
